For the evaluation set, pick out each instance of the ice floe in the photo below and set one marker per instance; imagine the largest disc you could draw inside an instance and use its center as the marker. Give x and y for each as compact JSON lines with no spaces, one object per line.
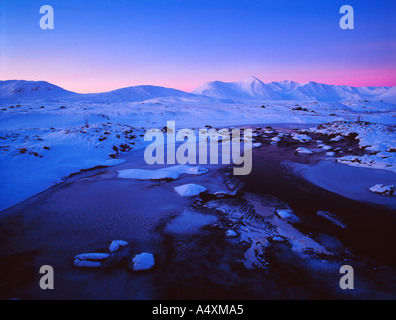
{"x":231,"y":234}
{"x":87,"y":264}
{"x":190,"y":222}
{"x":325,"y":147}
{"x":384,"y":190}
{"x":337,"y":139}
{"x":332,"y":218}
{"x":92,"y":256}
{"x":159,"y":174}
{"x":90,"y":260}
{"x":287,"y":214}
{"x":301,"y":137}
{"x":143,"y":261}
{"x":116,"y":244}
{"x":303,"y":150}
{"x":190,"y":190}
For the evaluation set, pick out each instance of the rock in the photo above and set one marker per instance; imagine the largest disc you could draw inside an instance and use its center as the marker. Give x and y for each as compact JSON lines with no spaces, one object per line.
{"x":278,"y":239}
{"x":116,"y":244}
{"x":337,"y":139}
{"x":92,"y":256}
{"x":87,"y":264}
{"x":301,"y":137}
{"x":303,"y":150}
{"x":190,"y":190}
{"x":287,"y":214}
{"x":325,"y":147}
{"x":231,"y":234}
{"x":143,"y":261}
{"x":384,"y":190}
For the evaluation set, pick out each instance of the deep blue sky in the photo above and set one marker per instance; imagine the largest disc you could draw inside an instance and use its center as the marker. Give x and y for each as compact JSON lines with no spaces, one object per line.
{"x":102,"y":45}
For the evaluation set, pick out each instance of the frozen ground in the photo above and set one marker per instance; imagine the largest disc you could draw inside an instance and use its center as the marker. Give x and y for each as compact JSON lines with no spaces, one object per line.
{"x":48,"y":133}
{"x":278,"y":238}
{"x":42,"y":143}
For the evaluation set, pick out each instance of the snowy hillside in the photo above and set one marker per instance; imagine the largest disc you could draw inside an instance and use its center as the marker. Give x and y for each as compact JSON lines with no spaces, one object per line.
{"x":21,"y":90}
{"x":15,"y":91}
{"x":249,"y":89}
{"x":389,"y":95}
{"x":254,"y":89}
{"x":134,"y":94}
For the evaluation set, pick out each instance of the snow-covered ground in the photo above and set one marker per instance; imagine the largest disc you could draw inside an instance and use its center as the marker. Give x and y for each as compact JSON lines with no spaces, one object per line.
{"x":47,"y":133}
{"x":378,"y":140}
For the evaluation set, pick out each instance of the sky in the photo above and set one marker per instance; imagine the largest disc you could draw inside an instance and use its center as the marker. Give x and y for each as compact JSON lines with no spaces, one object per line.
{"x":104,"y":45}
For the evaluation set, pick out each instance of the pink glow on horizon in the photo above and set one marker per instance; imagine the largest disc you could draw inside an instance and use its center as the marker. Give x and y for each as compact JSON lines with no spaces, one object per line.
{"x":102,"y":82}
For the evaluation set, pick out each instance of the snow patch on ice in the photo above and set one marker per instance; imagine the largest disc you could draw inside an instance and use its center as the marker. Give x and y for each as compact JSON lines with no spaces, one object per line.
{"x":143,"y":261}
{"x":116,"y":244}
{"x":384,"y":190}
{"x":190,"y":190}
{"x":159,"y":174}
{"x":303,"y":150}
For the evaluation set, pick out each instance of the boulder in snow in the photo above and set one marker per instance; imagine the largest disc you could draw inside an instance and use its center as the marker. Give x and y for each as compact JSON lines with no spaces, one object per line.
{"x":143,"y":261}
{"x":190,"y":190}
{"x":90,"y":260}
{"x":384,"y":190}
{"x":337,"y":139}
{"x":303,"y":150}
{"x":325,"y":147}
{"x":92,"y":256}
{"x":302,"y":137}
{"x":87,"y":264}
{"x":287,"y":214}
{"x":116,"y":244}
{"x":231,"y":234}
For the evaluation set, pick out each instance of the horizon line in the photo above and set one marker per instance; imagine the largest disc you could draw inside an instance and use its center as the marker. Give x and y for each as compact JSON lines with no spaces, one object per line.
{"x":170,"y":87}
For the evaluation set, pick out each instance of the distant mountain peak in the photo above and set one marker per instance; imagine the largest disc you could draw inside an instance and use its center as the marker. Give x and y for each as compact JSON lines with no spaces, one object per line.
{"x":251,"y":78}
{"x":252,"y":88}
{"x":248,"y":89}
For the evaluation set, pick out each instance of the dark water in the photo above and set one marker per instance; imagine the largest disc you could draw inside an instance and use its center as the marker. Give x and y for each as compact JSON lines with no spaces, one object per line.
{"x":371,"y":228}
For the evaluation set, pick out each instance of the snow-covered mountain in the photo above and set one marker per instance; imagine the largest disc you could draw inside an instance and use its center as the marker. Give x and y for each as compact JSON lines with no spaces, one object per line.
{"x":21,"y":90}
{"x":254,"y":89}
{"x":250,"y":89}
{"x":134,"y":94}
{"x":247,"y":89}
{"x":389,"y":95}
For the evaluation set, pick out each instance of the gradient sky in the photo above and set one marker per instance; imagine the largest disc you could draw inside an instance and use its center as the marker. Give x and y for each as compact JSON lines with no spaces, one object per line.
{"x":103,"y":45}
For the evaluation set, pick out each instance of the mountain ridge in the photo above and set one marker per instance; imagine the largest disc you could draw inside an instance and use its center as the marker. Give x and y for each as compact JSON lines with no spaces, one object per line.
{"x":248,"y":89}
{"x":252,"y":88}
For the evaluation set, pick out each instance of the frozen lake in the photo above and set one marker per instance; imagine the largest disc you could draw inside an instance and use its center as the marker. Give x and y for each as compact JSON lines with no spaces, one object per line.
{"x":194,"y":259}
{"x":351,"y":182}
